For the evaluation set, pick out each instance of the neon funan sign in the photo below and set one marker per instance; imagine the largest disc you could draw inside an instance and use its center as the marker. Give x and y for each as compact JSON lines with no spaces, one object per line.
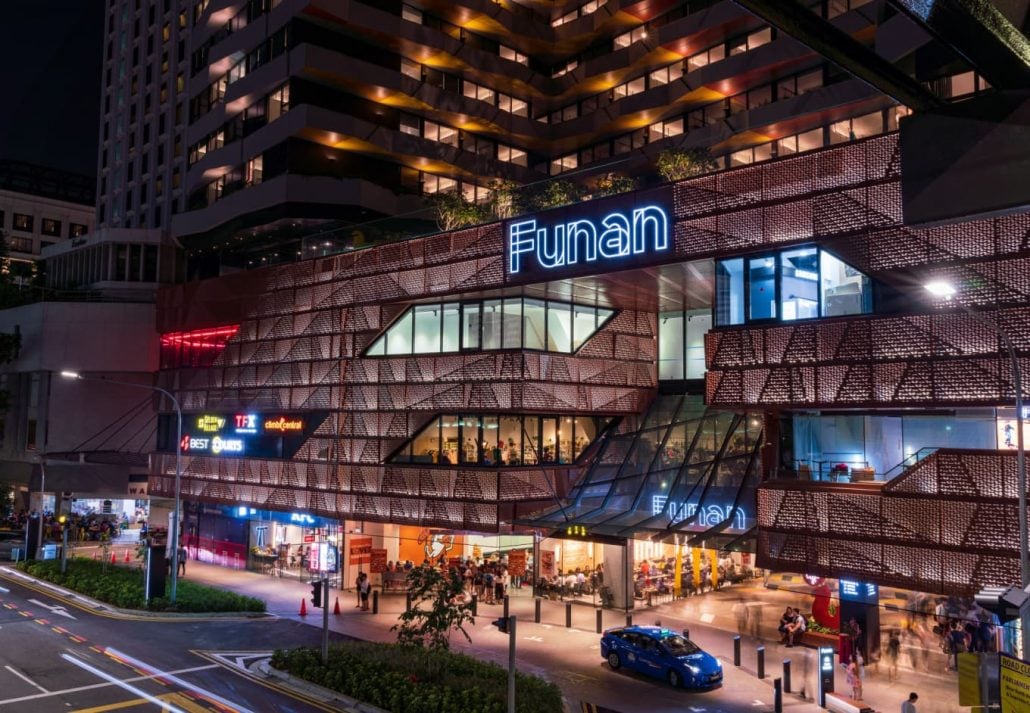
{"x":707,"y":516}
{"x":580,"y":241}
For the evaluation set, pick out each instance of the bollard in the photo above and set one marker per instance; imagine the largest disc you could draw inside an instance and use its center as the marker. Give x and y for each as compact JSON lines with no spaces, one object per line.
{"x":786,"y":675}
{"x":505,"y":606}
{"x":599,"y":625}
{"x":475,"y":605}
{"x":777,"y":696}
{"x":536,"y":611}
{"x":629,"y":620}
{"x":686,"y":633}
{"x":736,"y":650}
{"x":761,"y":661}
{"x":375,"y":601}
{"x":407,"y":602}
{"x":658,"y":623}
{"x":568,"y":615}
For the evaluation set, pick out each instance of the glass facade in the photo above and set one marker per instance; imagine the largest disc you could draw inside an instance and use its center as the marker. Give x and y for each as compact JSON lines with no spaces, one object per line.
{"x":510,"y":323}
{"x":681,"y":343}
{"x":793,"y":284}
{"x":502,"y":440}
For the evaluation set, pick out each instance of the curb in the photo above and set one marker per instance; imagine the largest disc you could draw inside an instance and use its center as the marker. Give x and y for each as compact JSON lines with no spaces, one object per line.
{"x":313,"y":690}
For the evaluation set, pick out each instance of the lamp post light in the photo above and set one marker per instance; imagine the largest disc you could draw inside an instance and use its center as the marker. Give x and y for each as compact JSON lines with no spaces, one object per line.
{"x":947,"y":291}
{"x":173,"y":536}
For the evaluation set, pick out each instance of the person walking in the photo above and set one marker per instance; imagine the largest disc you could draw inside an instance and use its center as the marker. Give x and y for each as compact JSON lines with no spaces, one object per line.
{"x":357,"y":587}
{"x":891,"y":653}
{"x":909,"y":706}
{"x":740,"y":614}
{"x":854,"y":680}
{"x":183,"y":554}
{"x":364,"y":587}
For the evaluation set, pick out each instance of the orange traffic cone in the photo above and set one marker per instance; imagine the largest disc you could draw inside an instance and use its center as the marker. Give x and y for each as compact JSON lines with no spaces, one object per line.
{"x":114,"y":560}
{"x":336,"y":607}
{"x":127,"y":560}
{"x":303,"y":607}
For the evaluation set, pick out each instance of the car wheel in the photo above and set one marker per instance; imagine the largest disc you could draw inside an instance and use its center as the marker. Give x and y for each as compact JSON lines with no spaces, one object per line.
{"x":675,"y":678}
{"x":613,"y":660}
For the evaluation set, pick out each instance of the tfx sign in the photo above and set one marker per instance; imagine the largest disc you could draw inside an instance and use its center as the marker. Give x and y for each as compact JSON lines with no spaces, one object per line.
{"x":538,"y":246}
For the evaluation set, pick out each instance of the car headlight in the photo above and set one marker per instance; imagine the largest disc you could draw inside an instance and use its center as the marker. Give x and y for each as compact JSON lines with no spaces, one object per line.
{"x":694,"y":669}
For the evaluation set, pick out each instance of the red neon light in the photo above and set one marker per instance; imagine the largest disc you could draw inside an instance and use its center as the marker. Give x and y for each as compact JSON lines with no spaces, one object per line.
{"x":204,"y":338}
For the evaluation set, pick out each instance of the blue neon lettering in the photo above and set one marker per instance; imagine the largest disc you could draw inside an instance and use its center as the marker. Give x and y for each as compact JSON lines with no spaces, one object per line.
{"x":582,"y":240}
{"x":708,"y":516}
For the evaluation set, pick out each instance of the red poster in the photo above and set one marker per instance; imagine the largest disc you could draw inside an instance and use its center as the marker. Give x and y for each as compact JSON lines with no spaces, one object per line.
{"x":360,"y":550}
{"x":377,"y":565}
{"x":517,"y":563}
{"x":546,"y":563}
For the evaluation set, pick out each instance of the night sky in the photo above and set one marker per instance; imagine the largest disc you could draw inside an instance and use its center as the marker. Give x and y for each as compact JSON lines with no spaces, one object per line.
{"x":50,"y":64}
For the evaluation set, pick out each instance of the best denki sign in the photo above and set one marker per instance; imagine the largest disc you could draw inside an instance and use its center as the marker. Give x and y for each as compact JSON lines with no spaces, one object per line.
{"x":573,"y":241}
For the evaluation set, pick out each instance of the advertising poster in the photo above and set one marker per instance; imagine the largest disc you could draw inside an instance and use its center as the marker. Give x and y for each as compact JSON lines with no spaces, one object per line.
{"x":360,"y":550}
{"x":1015,"y":685}
{"x":969,"y":679}
{"x":546,"y":563}
{"x":378,"y":562}
{"x":517,"y":563}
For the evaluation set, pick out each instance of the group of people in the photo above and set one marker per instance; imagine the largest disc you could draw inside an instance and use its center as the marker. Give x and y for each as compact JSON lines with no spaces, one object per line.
{"x":792,"y":625}
{"x":81,"y":528}
{"x":963,"y":629}
{"x":574,"y":583}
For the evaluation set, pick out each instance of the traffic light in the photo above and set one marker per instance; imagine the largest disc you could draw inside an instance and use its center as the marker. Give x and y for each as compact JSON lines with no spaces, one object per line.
{"x":316,"y":593}
{"x":501,"y":624}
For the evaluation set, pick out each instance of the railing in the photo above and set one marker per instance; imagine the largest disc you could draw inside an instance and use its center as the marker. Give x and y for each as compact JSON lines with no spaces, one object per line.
{"x":908,"y":462}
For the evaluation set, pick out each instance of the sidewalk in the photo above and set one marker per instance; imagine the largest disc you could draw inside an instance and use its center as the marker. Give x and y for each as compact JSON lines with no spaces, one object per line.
{"x":546,"y":646}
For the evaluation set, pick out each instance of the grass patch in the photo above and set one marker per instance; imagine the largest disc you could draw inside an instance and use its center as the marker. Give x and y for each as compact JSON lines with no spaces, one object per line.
{"x":123,"y":588}
{"x":407,"y":679}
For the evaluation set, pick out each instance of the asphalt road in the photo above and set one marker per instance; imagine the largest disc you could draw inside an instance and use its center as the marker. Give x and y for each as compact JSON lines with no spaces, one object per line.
{"x":56,"y":657}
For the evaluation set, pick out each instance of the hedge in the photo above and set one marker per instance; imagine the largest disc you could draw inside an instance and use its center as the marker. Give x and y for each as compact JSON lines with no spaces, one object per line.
{"x":123,"y":588}
{"x":407,"y":679}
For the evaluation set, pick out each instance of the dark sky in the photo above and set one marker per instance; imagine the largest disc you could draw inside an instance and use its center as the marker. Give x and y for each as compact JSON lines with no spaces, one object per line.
{"x":50,"y":64}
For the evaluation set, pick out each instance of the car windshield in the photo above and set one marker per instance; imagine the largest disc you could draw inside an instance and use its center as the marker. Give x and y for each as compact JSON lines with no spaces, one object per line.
{"x":678,"y":646}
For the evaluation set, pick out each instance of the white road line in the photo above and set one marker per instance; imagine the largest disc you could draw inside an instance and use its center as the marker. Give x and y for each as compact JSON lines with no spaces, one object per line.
{"x":121,"y":684}
{"x":178,"y":681}
{"x":135,"y":679}
{"x":59,"y":610}
{"x":27,"y":680}
{"x":5,"y":591}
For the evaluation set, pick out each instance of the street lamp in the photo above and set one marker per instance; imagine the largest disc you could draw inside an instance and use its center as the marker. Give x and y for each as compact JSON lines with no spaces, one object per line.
{"x":947,"y":291}
{"x":173,"y":537}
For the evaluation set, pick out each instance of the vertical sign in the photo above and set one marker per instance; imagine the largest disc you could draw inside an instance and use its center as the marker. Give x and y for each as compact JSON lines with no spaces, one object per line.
{"x":377,"y":562}
{"x":547,"y":563}
{"x":1015,"y":685}
{"x":517,"y":563}
{"x":361,"y":550}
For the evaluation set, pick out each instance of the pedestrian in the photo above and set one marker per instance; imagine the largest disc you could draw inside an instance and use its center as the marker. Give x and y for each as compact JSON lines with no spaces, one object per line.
{"x":183,"y":554}
{"x":909,"y":706}
{"x":891,"y":653}
{"x":854,"y":680}
{"x":785,"y":621}
{"x":806,"y":660}
{"x":357,"y":587}
{"x":363,"y":590}
{"x":740,"y":614}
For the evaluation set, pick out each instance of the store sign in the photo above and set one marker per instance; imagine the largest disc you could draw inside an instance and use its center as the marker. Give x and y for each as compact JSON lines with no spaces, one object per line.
{"x":707,"y":516}
{"x":323,"y":557}
{"x":377,"y":565}
{"x":283,"y":424}
{"x":214,"y":446}
{"x":858,"y":591}
{"x":360,"y":550}
{"x":256,"y":435}
{"x":1015,"y":685}
{"x":245,"y":423}
{"x":210,"y":424}
{"x":302,"y":518}
{"x":582,"y":240}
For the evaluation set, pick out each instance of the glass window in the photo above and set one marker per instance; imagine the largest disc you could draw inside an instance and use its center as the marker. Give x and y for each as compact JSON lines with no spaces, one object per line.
{"x":584,"y":323}
{"x":559,"y":327}
{"x":398,"y":339}
{"x":451,"y":321}
{"x":491,"y":324}
{"x":425,"y":447}
{"x":698,"y":324}
{"x":427,"y":329}
{"x":844,"y":289}
{"x":670,"y":345}
{"x":470,"y":326}
{"x":512,"y":338}
{"x":510,"y":434}
{"x":449,"y":443}
{"x":729,"y":286}
{"x":534,"y":324}
{"x":761,"y":274}
{"x":799,"y":280}
{"x":530,"y":440}
{"x":491,"y":447}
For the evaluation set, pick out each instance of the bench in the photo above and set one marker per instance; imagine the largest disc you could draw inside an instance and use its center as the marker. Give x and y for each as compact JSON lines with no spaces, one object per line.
{"x":842,"y":704}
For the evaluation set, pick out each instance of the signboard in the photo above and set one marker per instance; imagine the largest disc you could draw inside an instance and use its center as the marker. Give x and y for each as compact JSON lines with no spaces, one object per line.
{"x":969,"y":680}
{"x":323,"y":557}
{"x":825,"y":674}
{"x":547,"y":563}
{"x":360,"y":550}
{"x":261,"y":435}
{"x":1015,"y":685}
{"x":707,"y":516}
{"x":616,"y":234}
{"x":852,"y":591}
{"x":517,"y":563}
{"x":377,"y":561}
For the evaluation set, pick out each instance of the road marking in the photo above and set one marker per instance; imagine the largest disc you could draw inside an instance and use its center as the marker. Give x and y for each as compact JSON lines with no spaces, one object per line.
{"x":27,"y":680}
{"x":240,"y":659}
{"x":214,"y":697}
{"x":121,"y":684}
{"x":757,"y":703}
{"x":533,"y":638}
{"x":56,"y":609}
{"x":36,"y":696}
{"x":176,"y":698}
{"x":5,"y":591}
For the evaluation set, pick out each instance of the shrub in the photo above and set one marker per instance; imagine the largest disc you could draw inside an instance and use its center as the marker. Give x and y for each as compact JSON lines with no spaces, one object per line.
{"x":406,"y":679}
{"x":677,"y":164}
{"x":123,"y":588}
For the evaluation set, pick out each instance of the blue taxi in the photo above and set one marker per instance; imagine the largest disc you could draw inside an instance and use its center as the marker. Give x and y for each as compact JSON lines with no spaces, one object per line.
{"x":661,"y":653}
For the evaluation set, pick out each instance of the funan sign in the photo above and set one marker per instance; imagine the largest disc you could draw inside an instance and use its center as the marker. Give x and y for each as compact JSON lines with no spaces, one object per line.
{"x":707,"y":516}
{"x":580,"y":241}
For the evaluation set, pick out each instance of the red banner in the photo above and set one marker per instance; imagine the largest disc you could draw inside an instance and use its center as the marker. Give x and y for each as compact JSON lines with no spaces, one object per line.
{"x":377,"y":564}
{"x":517,"y":563}
{"x":546,"y":563}
{"x":360,"y":550}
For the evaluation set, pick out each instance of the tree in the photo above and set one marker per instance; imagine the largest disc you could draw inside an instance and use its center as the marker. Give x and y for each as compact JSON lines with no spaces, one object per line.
{"x":453,"y":211}
{"x":505,"y":199}
{"x":438,"y":607}
{"x":611,"y":183}
{"x":677,"y":164}
{"x":555,"y":193}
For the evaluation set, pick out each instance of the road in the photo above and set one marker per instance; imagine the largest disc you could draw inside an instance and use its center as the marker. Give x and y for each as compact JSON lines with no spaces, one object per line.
{"x":57,"y":657}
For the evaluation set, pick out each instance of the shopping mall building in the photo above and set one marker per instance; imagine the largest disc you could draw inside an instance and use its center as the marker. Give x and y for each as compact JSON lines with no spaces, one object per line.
{"x":745,"y":361}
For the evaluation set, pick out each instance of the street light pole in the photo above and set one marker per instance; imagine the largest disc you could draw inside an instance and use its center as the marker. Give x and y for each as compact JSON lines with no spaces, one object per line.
{"x":947,"y":291}
{"x":42,"y":490}
{"x":173,"y":536}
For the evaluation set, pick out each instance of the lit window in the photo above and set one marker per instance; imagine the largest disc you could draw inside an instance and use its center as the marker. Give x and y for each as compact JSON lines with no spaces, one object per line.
{"x":21,"y":221}
{"x":411,"y":69}
{"x":510,"y":53}
{"x":411,"y":14}
{"x":510,"y":154}
{"x":254,"y":170}
{"x":628,"y":38}
{"x":564,"y":163}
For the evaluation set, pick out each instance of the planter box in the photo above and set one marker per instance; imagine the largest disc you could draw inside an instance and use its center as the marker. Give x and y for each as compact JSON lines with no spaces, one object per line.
{"x":815,"y":640}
